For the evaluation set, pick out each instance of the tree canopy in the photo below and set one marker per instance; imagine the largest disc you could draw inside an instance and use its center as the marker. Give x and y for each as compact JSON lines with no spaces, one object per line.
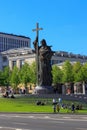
{"x":67,"y":69}
{"x":27,"y":74}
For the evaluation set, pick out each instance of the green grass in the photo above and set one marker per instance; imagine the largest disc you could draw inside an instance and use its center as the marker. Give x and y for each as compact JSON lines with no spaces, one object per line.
{"x":22,"y":105}
{"x":28,"y":104}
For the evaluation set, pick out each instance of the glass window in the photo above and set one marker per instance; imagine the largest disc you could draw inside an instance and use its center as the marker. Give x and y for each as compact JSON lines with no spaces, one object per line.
{"x":21,"y":63}
{"x":14,"y":63}
{"x":4,"y":58}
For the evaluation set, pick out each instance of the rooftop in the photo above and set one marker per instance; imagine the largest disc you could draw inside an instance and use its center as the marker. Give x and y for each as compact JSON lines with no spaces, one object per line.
{"x":18,"y":51}
{"x":14,"y":35}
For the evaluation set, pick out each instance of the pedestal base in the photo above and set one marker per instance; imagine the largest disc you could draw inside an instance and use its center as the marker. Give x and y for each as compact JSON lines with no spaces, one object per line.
{"x":43,"y":90}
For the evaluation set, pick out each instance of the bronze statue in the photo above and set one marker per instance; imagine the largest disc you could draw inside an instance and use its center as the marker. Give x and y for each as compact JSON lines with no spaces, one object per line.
{"x":44,"y":60}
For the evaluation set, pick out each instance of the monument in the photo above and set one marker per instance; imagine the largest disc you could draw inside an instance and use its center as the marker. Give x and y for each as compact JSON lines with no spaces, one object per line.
{"x":43,"y":60}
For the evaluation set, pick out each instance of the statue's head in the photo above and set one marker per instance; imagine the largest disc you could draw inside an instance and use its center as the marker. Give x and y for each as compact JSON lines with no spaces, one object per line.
{"x":43,"y":42}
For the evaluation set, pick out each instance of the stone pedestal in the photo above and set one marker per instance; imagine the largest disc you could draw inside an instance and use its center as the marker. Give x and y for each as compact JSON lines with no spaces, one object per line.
{"x":43,"y":90}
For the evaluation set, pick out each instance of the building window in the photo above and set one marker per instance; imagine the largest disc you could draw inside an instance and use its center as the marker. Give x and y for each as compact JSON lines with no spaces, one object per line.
{"x":54,"y":62}
{"x":4,"y":58}
{"x":21,"y":63}
{"x":14,"y":63}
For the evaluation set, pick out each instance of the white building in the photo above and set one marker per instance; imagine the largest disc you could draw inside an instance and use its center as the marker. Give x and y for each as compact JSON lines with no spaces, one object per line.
{"x":62,"y":56}
{"x":18,"y":56}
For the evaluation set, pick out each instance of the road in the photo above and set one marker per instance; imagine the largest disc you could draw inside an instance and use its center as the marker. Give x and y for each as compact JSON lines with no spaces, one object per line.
{"x":42,"y":122}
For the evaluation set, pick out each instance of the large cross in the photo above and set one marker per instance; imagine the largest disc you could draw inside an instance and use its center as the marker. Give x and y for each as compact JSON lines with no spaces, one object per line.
{"x":37,"y":57}
{"x":37,"y":30}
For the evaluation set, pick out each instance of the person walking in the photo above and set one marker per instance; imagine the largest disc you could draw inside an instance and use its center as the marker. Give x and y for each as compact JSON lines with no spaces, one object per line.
{"x":73,"y":108}
{"x":58,"y":107}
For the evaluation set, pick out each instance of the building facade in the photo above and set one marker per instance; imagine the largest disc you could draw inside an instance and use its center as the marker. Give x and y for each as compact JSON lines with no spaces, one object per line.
{"x":17,"y":57}
{"x":61,"y":56}
{"x":10,"y":41}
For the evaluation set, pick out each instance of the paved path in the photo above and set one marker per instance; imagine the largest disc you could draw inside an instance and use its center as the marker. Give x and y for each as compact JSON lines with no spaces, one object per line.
{"x":43,"y":122}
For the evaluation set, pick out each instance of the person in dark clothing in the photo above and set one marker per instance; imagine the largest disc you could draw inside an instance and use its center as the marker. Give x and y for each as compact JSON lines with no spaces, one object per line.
{"x":73,"y":107}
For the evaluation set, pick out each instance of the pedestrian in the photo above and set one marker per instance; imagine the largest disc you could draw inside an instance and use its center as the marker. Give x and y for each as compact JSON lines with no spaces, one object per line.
{"x":54,"y":108}
{"x":58,"y":107}
{"x":73,"y":108}
{"x":54,"y":101}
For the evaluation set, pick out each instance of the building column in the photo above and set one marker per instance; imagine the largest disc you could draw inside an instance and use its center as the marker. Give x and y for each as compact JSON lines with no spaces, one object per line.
{"x":10,"y":64}
{"x":83,"y":86}
{"x":63,"y":89}
{"x":75,"y":91}
{"x":18,"y":64}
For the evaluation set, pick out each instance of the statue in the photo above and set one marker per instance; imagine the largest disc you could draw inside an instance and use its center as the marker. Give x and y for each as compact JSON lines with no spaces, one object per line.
{"x":43,"y":60}
{"x":44,"y":56}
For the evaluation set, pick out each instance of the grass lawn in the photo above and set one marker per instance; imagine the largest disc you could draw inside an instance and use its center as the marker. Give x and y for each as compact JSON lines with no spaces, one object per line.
{"x":28,"y":104}
{"x":22,"y":105}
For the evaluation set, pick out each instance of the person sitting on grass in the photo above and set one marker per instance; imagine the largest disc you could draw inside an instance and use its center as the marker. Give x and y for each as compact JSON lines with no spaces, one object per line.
{"x":6,"y":94}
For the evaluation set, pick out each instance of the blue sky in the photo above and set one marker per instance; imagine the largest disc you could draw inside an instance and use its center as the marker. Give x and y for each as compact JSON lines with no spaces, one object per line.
{"x":64,"y":22}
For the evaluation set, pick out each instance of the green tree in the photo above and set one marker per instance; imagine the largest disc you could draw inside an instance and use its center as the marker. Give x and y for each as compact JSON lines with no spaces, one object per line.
{"x":6,"y":76}
{"x":56,"y":74}
{"x":24,"y":74}
{"x":84,"y":72}
{"x":32,"y":72}
{"x":77,"y":72}
{"x":1,"y":78}
{"x":14,"y":79}
{"x":67,"y":69}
